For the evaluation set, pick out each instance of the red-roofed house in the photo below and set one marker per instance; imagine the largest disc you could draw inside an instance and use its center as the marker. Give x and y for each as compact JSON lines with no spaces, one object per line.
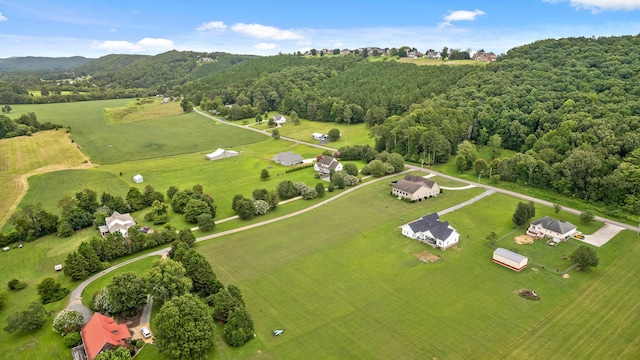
{"x":103,"y":333}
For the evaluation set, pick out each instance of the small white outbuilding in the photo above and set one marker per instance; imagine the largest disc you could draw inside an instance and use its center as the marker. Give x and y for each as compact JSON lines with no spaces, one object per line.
{"x":57,"y":267}
{"x":510,"y":259}
{"x":138,"y":179}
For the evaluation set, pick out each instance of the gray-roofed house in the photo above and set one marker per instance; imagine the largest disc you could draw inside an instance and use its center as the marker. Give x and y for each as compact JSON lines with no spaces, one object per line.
{"x":117,"y":223}
{"x":555,"y":229}
{"x":288,"y":158}
{"x":326,"y":164}
{"x":279,"y":119}
{"x":415,"y":188}
{"x":430,"y":230}
{"x":510,"y":259}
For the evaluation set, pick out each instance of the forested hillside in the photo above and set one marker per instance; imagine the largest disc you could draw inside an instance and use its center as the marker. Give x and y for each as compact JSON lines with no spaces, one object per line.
{"x":159,"y":72}
{"x":570,"y":107}
{"x":41,"y":63}
{"x":340,"y":89}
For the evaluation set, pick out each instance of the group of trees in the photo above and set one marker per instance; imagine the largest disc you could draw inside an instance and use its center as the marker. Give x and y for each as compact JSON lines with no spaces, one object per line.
{"x":94,"y":255}
{"x":260,"y":202}
{"x":25,"y":124}
{"x":193,"y":203}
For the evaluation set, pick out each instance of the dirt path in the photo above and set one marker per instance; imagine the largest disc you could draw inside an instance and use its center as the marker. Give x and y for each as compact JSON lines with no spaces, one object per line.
{"x":22,"y":184}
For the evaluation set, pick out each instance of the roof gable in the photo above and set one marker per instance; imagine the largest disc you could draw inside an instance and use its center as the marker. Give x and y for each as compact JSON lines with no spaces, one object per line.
{"x":555,"y":225}
{"x":100,"y":331}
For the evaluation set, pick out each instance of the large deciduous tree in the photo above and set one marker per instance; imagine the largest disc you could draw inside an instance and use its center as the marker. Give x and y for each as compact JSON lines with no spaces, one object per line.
{"x":51,"y":291}
{"x":127,"y":293}
{"x":166,"y":279}
{"x":28,"y":320}
{"x":524,"y":212}
{"x":195,"y":336}
{"x":585,"y":257}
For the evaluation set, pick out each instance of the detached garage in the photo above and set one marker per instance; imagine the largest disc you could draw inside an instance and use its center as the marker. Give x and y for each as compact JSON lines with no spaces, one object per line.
{"x":510,"y":259}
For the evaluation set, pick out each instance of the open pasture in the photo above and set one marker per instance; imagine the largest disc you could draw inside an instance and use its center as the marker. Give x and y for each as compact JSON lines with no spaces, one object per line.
{"x":354,"y":289}
{"x":47,"y":189}
{"x":355,"y":134}
{"x":23,"y":156}
{"x":142,"y":109}
{"x":107,"y":143}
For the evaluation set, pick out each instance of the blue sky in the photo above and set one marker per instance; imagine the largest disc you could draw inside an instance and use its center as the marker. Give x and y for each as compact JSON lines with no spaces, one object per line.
{"x":100,"y":27}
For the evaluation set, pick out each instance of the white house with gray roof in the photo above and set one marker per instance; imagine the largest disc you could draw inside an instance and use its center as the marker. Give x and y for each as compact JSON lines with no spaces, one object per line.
{"x":431,"y":231}
{"x":326,"y":164}
{"x":555,"y":229}
{"x":117,"y":223}
{"x":288,"y":158}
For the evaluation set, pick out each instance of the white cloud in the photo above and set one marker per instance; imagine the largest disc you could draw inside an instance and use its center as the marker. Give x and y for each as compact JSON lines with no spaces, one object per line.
{"x":602,"y":5}
{"x":3,"y":18}
{"x":266,"y":32}
{"x":265,"y":46}
{"x":113,"y":30}
{"x":460,"y":15}
{"x":141,"y":46}
{"x":217,"y":26}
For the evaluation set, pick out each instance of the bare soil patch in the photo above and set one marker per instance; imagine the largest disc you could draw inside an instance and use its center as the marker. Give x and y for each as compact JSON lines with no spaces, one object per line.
{"x":523,"y":239}
{"x":426,"y":256}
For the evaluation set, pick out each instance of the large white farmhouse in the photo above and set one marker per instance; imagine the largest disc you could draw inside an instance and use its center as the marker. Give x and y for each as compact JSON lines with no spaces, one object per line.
{"x":117,"y":223}
{"x":431,"y":231}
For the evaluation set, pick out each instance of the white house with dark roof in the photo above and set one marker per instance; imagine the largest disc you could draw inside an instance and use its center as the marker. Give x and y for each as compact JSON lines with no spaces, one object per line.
{"x":415,"y":188}
{"x":279,"y":119}
{"x":288,"y":158}
{"x":326,"y":164}
{"x":510,"y":259}
{"x":555,"y":229}
{"x":430,"y":230}
{"x":117,"y":223}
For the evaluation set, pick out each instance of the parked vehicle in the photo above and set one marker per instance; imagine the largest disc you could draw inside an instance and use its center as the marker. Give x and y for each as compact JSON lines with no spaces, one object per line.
{"x":145,"y":332}
{"x":278,"y":332}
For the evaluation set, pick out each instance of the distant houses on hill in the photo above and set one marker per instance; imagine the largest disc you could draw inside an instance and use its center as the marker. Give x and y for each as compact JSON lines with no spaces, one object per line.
{"x":404,"y":51}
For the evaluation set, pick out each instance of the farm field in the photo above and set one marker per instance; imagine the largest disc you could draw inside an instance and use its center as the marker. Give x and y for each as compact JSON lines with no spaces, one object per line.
{"x":108,"y":143}
{"x":23,"y":156}
{"x":359,"y":292}
{"x":355,"y":134}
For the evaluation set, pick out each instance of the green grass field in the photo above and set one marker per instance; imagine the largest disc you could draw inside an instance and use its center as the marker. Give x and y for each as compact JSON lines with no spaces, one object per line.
{"x":357,"y":291}
{"x":159,"y":137}
{"x":350,"y":134}
{"x":26,"y":155}
{"x":341,"y":279}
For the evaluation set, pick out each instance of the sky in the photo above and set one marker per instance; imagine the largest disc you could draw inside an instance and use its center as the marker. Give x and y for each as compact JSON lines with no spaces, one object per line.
{"x":96,"y":28}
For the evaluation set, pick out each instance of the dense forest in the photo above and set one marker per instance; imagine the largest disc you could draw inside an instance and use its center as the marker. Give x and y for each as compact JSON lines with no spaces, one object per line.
{"x":569,"y":108}
{"x":330,"y":89}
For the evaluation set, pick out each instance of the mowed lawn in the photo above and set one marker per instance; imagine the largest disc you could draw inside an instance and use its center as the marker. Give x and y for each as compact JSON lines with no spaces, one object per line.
{"x":25,"y":155}
{"x":158,"y":137}
{"x":344,"y":283}
{"x":33,"y":263}
{"x":354,"y":134}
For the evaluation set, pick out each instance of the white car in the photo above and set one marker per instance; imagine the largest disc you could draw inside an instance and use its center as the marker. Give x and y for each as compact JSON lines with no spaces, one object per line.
{"x":278,"y":332}
{"x":145,"y":332}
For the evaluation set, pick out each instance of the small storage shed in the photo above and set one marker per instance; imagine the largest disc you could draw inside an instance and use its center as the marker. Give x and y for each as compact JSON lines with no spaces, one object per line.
{"x":138,"y":179}
{"x":57,"y":267}
{"x":510,"y":259}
